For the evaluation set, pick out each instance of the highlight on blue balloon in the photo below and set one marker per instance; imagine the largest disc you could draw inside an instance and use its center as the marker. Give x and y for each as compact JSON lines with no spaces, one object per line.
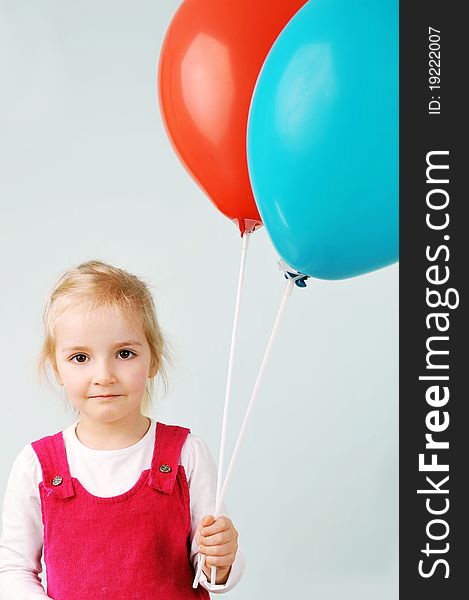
{"x":323,"y":138}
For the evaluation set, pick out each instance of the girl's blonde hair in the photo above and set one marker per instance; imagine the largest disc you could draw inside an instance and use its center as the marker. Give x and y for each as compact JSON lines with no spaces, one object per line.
{"x":93,"y":285}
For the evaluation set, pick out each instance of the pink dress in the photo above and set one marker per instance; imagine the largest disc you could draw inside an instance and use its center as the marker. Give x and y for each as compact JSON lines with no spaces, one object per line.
{"x":134,"y":546}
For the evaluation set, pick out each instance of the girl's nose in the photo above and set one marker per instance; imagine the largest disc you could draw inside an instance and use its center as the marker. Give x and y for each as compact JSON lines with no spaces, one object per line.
{"x":103,"y":374}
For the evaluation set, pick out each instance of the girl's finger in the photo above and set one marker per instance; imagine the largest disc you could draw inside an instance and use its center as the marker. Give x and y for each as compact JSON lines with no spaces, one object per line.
{"x":221,"y":524}
{"x":221,"y":550}
{"x":220,"y":561}
{"x":207,"y":520}
{"x":217,"y":538}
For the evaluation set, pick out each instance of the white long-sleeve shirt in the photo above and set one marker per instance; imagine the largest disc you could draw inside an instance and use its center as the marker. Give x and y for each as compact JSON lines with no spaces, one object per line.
{"x":103,"y":473}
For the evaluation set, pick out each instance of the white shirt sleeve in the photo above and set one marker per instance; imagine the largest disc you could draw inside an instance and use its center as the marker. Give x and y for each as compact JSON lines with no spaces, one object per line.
{"x":22,"y":533}
{"x":201,"y":474}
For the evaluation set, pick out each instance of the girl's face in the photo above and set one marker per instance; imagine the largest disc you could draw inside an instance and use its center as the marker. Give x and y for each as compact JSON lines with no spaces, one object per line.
{"x":102,"y":354}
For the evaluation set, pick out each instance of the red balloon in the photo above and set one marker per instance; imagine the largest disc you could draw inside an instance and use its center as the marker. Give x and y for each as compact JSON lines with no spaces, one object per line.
{"x":210,"y":60}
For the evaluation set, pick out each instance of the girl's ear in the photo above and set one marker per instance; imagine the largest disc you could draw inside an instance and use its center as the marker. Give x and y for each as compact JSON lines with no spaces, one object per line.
{"x":57,"y":376}
{"x":153,"y":370}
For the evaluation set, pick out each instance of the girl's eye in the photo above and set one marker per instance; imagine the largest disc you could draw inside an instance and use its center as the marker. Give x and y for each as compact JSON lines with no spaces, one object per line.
{"x":127,"y":351}
{"x":78,"y":355}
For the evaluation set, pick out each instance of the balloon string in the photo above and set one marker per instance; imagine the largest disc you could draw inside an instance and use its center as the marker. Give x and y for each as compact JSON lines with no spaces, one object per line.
{"x":221,"y":459}
{"x":286,"y":295}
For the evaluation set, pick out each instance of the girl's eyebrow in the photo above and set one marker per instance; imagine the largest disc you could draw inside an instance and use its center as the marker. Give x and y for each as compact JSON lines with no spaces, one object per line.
{"x":128,"y":343}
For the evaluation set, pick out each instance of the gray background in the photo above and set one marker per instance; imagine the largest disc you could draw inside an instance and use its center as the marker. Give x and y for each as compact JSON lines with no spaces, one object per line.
{"x":88,"y":172}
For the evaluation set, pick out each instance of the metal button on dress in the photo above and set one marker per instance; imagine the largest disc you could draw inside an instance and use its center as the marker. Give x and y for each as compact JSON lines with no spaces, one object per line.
{"x":57,"y":480}
{"x":165,"y":468}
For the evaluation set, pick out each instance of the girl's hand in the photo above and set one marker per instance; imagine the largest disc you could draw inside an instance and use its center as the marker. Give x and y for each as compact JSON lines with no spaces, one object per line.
{"x":218,"y":540}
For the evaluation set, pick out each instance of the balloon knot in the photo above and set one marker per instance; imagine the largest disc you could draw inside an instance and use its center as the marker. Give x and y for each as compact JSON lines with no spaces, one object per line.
{"x":289,"y":273}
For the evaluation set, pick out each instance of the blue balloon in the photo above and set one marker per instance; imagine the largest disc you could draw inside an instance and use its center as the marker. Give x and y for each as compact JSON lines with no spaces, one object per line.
{"x":323,"y":136}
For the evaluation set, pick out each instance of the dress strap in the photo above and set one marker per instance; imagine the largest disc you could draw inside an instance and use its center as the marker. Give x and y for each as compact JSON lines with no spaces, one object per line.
{"x":169,"y":440}
{"x":52,"y":456}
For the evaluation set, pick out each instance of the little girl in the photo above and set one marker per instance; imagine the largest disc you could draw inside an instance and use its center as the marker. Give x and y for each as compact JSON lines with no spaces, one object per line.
{"x":120,"y":503}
